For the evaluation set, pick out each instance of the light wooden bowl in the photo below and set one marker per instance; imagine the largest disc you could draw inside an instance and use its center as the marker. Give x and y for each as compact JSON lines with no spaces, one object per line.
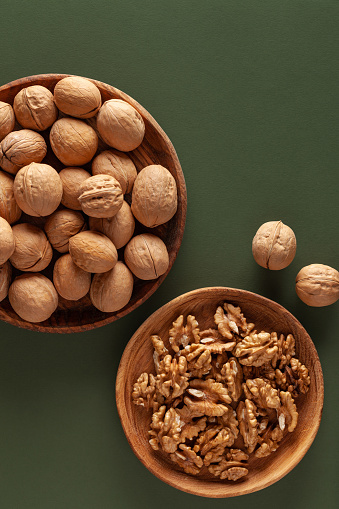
{"x":138,"y":358}
{"x":156,"y":148}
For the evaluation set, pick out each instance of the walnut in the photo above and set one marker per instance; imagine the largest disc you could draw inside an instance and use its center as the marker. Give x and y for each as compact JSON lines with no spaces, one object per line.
{"x":172,"y":379}
{"x":198,"y":360}
{"x":300,"y":374}
{"x":20,"y":148}
{"x":159,"y":351}
{"x":212,"y":442}
{"x":226,"y":327}
{"x":269,"y":442}
{"x":286,"y":350}
{"x":118,"y":165}
{"x":144,"y":392}
{"x":228,"y":470}
{"x":154,"y":196}
{"x":190,"y":429}
{"x":215,"y":342}
{"x":256,"y":349}
{"x":32,"y":251}
{"x":165,"y":430}
{"x":9,"y":209}
{"x":7,"y":241}
{"x":77,"y":96}
{"x":119,"y":228}
{"x":73,"y":141}
{"x":232,"y":322}
{"x":208,"y":397}
{"x":187,"y":459}
{"x":101,"y":196}
{"x":180,"y":335}
{"x":274,"y":245}
{"x":38,"y":189}
{"x":232,"y":373}
{"x":7,"y":119}
{"x":5,"y":279}
{"x":248,"y":423}
{"x":317,"y":285}
{"x":262,"y":393}
{"x":71,"y":282}
{"x":146,"y":256}
{"x":71,"y":179}
{"x":112,"y":290}
{"x":287,"y":412}
{"x":93,"y":252}
{"x":33,"y":297}
{"x":120,"y":125}
{"x":34,"y":108}
{"x":61,"y":226}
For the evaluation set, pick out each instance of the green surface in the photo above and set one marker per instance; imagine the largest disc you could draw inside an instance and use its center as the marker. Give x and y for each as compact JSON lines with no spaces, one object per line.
{"x":247,"y":92}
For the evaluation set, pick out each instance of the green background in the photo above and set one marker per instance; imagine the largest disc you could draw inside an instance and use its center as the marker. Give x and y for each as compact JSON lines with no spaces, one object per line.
{"x":247,"y":91}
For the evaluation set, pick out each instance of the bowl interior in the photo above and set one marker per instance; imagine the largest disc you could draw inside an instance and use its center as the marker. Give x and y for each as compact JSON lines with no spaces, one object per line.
{"x":156,"y":148}
{"x":138,"y":358}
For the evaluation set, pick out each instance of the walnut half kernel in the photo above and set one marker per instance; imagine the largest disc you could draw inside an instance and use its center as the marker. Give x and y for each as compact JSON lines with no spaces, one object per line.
{"x":221,"y":396}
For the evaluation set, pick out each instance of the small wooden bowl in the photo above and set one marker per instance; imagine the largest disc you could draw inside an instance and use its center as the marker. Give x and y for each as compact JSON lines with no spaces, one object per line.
{"x":138,"y":358}
{"x":156,"y":148}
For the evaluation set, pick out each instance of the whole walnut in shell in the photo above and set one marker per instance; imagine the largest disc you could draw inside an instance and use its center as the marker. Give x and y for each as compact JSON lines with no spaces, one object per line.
{"x":118,"y":165}
{"x":5,"y":279}
{"x":93,"y":252}
{"x":20,"y":148}
{"x":274,"y":245}
{"x":7,"y":241}
{"x":101,"y":196}
{"x":154,"y":196}
{"x":34,"y":108}
{"x":73,"y":141}
{"x":120,"y":125}
{"x":7,"y":119}
{"x":71,"y":179}
{"x":119,"y":228}
{"x":317,"y":285}
{"x":38,"y":189}
{"x":9,"y":208}
{"x":112,"y":290}
{"x":61,"y":226}
{"x":71,"y":282}
{"x":146,"y":256}
{"x":33,"y":297}
{"x":77,"y":96}
{"x":32,"y":251}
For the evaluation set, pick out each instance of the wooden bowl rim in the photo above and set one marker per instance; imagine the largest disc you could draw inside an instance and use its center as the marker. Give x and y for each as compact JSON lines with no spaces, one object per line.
{"x":19,"y":322}
{"x":131,"y":348}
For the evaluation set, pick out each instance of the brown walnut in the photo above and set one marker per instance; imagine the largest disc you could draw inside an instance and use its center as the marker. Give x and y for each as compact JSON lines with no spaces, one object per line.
{"x":112,"y":290}
{"x":20,"y":148}
{"x":7,"y":119}
{"x":317,"y":285}
{"x":93,"y":252}
{"x":5,"y":279}
{"x":73,"y":141}
{"x":146,"y":256}
{"x":7,"y":241}
{"x":120,"y":125}
{"x":38,"y":189}
{"x":154,"y":196}
{"x":118,"y":165}
{"x":77,"y":96}
{"x":32,"y":251}
{"x":34,"y":108}
{"x":119,"y":228}
{"x":33,"y":297}
{"x":71,"y":282}
{"x":101,"y":196}
{"x":9,"y":208}
{"x":72,"y":178}
{"x":274,"y":245}
{"x":61,"y":226}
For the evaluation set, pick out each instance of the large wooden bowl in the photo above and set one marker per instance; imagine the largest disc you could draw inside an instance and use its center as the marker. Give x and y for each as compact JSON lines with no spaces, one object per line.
{"x":156,"y":148}
{"x":138,"y":358}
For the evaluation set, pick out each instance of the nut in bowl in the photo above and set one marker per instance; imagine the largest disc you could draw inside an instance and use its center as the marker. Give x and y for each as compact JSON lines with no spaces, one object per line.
{"x":273,"y":419}
{"x":98,"y":185}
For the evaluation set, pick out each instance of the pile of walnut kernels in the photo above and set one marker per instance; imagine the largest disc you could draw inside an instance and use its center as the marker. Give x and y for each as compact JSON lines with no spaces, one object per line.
{"x":77,"y":218}
{"x":222,"y":394}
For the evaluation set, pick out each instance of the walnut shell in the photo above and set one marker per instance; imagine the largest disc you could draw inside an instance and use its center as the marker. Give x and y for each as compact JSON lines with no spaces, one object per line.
{"x":146,"y":256}
{"x":119,"y":228}
{"x":61,"y":226}
{"x":93,"y":252}
{"x":71,"y":282}
{"x":120,"y":125}
{"x":274,"y":245}
{"x":7,"y":119}
{"x":5,"y":279}
{"x":20,"y":148}
{"x":71,"y":179}
{"x":73,"y":141}
{"x":118,"y":165}
{"x":101,"y":196}
{"x":38,"y":189}
{"x":33,"y":297}
{"x":32,"y":251}
{"x":77,"y":97}
{"x":7,"y":241}
{"x":34,"y":108}
{"x":9,"y":208}
{"x":317,"y":285}
{"x":154,"y":196}
{"x":112,"y":290}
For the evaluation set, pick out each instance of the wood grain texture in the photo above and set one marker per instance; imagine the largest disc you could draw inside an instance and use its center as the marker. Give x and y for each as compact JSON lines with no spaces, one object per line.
{"x":156,"y":148}
{"x":138,"y":358}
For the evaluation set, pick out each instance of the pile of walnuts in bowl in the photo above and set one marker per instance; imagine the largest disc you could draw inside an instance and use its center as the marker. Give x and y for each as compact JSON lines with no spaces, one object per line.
{"x":82,"y":220}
